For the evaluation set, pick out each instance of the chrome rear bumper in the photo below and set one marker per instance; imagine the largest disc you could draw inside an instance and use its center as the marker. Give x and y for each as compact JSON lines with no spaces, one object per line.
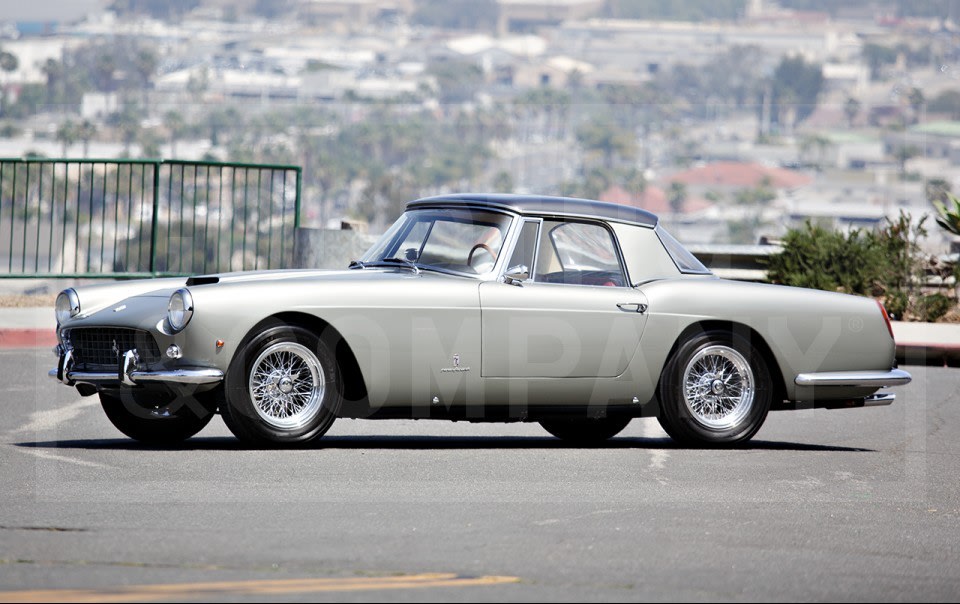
{"x":855,"y":379}
{"x":880,"y":399}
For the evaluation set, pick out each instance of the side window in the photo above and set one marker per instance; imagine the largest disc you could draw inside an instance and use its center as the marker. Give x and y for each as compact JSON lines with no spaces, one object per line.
{"x":526,"y":247}
{"x":578,"y":253}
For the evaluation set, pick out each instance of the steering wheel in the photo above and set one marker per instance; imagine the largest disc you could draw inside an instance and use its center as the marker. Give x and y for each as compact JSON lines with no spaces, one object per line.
{"x":480,"y":246}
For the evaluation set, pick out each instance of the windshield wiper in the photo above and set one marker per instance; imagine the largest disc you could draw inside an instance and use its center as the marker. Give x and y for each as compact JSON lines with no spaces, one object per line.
{"x":402,"y":261}
{"x":357,"y":264}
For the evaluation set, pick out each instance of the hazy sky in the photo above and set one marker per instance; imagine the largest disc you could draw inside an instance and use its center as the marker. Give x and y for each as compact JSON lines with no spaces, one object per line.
{"x":47,"y":10}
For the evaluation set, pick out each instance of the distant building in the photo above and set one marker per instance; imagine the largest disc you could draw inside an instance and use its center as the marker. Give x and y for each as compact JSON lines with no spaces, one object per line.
{"x":555,"y":72}
{"x":852,"y":78}
{"x":653,"y":199}
{"x":357,"y":13}
{"x":932,"y":140}
{"x":651,"y":46}
{"x":527,"y":15}
{"x":725,"y":176}
{"x":50,"y":11}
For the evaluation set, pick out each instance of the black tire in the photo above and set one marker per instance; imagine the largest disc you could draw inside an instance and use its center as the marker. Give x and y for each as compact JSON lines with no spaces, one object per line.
{"x":256,"y":413}
{"x":586,"y":430}
{"x":724,"y":405}
{"x":155,"y":418}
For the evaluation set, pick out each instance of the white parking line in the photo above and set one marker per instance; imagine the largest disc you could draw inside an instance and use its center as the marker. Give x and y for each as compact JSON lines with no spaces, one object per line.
{"x":658,"y":457}
{"x":52,"y":419}
{"x":48,"y":456}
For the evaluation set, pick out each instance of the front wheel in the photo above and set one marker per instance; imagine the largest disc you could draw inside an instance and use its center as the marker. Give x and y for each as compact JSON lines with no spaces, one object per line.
{"x":715,"y":390}
{"x":161,"y":420}
{"x":586,"y":430}
{"x":283,"y":387}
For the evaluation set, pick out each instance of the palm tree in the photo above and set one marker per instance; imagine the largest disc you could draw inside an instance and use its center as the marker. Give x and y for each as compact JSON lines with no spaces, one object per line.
{"x":8,"y":64}
{"x":55,"y":72}
{"x":103,"y":69}
{"x":145,"y":62}
{"x":176,"y":127}
{"x":949,"y":217}
{"x":604,"y":136}
{"x":903,"y":154}
{"x":67,"y":135}
{"x":677,"y":196}
{"x":917,"y":101}
{"x":851,"y":108}
{"x":128,"y":122}
{"x":8,"y":61}
{"x":86,"y":131}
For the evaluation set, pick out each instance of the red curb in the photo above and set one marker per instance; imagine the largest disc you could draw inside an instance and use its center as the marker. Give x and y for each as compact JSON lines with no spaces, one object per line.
{"x":937,"y":347}
{"x":27,"y":338}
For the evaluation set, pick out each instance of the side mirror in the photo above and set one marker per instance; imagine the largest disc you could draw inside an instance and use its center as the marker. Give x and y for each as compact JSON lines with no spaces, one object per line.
{"x":516,"y":275}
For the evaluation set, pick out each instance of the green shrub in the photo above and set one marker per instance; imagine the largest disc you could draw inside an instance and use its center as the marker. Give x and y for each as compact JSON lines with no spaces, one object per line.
{"x":934,"y":306}
{"x":896,"y":302}
{"x":820,"y":258}
{"x":886,"y":264}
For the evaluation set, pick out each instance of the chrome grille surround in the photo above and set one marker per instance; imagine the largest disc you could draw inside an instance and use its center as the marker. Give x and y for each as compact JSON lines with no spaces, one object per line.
{"x":102,"y":348}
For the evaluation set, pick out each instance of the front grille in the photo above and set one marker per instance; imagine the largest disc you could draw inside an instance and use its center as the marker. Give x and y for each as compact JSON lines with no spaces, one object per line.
{"x":101,"y":348}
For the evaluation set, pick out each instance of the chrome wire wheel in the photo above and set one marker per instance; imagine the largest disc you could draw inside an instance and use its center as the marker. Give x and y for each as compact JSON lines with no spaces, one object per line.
{"x":286,"y":385}
{"x":718,"y":387}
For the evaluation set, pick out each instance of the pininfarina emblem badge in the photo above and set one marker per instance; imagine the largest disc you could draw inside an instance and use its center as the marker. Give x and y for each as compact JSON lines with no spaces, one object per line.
{"x":456,"y":366}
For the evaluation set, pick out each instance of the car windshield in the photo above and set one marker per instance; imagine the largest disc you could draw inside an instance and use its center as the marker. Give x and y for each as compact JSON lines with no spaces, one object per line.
{"x":458,"y":240}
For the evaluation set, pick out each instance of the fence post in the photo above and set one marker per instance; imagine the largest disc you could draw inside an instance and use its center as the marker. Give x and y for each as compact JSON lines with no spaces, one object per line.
{"x":296,"y":207}
{"x":154,"y":226}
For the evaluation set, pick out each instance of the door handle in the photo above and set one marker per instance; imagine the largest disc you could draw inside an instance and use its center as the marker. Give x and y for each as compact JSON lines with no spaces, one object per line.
{"x":632,"y":307}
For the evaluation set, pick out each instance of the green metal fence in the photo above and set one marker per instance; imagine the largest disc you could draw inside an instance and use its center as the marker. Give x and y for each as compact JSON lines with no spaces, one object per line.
{"x":143,"y":218}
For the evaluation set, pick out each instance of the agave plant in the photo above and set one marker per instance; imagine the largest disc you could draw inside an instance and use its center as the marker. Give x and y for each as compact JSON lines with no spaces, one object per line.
{"x":949,"y":218}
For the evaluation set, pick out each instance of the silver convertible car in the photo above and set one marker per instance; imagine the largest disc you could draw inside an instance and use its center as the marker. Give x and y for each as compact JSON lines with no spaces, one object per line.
{"x":576,"y":314}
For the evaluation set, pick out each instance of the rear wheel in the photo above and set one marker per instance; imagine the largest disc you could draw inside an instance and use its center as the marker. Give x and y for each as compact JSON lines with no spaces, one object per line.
{"x":716,"y":390}
{"x":283,"y":387}
{"x":154,"y":418}
{"x":586,"y":430}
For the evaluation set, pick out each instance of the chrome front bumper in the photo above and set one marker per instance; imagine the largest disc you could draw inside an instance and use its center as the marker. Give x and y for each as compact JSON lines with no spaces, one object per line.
{"x":855,"y":379}
{"x":129,"y":373}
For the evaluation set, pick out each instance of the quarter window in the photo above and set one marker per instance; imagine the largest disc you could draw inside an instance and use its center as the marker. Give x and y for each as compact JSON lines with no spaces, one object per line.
{"x":526,"y":247}
{"x":578,"y":253}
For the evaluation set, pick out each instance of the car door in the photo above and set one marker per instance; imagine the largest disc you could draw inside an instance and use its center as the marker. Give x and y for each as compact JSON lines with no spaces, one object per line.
{"x":575,"y":316}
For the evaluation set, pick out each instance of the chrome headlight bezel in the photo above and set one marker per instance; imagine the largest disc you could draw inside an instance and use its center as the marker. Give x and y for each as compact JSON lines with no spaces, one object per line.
{"x":67,"y":305}
{"x":179,"y":309}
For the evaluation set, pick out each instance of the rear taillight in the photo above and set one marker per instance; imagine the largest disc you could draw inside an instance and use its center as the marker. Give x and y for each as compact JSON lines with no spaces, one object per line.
{"x":886,"y":319}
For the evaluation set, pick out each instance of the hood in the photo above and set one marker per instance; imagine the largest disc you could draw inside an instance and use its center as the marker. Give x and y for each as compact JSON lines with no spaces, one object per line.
{"x":151,"y":295}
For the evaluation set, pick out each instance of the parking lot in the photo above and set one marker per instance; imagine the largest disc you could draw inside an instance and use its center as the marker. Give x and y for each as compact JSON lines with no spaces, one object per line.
{"x":821,"y":505}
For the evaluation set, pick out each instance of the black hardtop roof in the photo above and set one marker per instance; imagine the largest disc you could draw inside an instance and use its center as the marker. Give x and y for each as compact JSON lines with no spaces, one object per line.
{"x":542,"y":205}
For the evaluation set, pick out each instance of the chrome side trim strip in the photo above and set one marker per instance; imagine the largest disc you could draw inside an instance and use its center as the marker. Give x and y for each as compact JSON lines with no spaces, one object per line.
{"x":177,"y":376}
{"x":855,"y":379}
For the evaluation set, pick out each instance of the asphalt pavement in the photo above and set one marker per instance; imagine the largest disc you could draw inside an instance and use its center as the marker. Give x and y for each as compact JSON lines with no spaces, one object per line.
{"x":822,"y":505}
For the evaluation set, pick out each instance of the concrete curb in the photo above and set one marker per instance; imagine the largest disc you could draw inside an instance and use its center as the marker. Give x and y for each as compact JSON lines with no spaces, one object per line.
{"x":27,"y":338}
{"x":927,"y":343}
{"x":27,"y":328}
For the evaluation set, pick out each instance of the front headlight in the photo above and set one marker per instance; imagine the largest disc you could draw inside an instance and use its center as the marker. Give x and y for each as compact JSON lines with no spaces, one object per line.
{"x":68,"y":305}
{"x":179,"y":309}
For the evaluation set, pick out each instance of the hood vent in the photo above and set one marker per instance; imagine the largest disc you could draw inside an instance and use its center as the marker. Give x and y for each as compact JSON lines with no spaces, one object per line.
{"x":202,"y":280}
